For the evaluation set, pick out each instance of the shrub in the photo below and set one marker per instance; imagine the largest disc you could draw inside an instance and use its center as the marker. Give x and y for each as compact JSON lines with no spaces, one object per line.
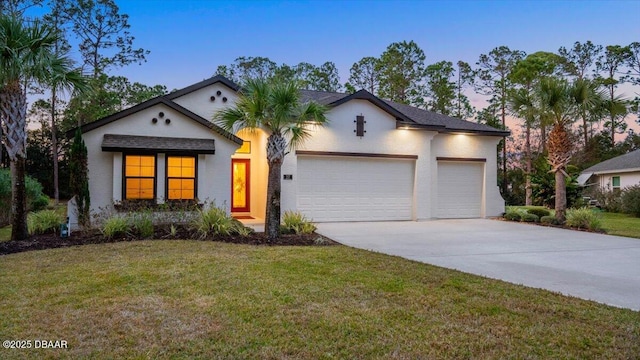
{"x":216,"y":221}
{"x":608,"y":199}
{"x":512,"y":216}
{"x":39,"y":203}
{"x":143,"y":224}
{"x":529,"y":218}
{"x":631,"y":200}
{"x":297,"y":223}
{"x":115,"y":226}
{"x":36,"y":199}
{"x":583,"y":218}
{"x":43,"y":222}
{"x":539,"y":212}
{"x":549,"y":220}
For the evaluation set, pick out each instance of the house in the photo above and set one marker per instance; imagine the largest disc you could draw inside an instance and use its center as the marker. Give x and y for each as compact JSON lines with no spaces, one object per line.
{"x":616,"y":173}
{"x":374,"y":160}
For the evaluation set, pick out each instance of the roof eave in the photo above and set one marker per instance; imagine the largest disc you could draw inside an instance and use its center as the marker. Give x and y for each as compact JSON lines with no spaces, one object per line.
{"x":202,"y":84}
{"x":602,"y":172}
{"x":445,"y":130}
{"x":365,"y":95}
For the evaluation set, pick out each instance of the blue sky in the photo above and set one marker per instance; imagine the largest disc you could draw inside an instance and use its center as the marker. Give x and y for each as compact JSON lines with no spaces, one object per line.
{"x":188,"y":39}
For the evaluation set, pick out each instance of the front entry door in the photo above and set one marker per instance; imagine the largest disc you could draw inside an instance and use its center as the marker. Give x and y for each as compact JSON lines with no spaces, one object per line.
{"x":240,"y":185}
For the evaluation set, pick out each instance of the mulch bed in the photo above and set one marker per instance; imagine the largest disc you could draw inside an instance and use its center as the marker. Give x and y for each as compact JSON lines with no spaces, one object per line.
{"x":51,"y":241}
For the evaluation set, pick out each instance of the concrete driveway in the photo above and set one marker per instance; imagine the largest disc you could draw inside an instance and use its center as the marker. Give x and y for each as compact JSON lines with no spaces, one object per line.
{"x":590,"y":266}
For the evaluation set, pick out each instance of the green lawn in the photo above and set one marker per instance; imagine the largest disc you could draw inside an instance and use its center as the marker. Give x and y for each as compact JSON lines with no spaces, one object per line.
{"x":612,"y":223}
{"x":621,"y":224}
{"x":198,"y":299}
{"x":5,"y":232}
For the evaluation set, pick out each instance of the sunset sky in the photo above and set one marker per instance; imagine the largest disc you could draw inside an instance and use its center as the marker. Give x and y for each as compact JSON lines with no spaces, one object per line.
{"x":188,"y":39}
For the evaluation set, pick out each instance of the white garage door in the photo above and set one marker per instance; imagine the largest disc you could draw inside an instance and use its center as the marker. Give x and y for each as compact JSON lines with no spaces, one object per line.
{"x":460,"y":189}
{"x":355,"y":189}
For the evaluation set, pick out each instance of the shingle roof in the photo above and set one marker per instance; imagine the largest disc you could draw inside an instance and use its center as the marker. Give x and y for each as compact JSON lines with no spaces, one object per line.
{"x":112,"y":142}
{"x":630,"y":160}
{"x":405,"y":113}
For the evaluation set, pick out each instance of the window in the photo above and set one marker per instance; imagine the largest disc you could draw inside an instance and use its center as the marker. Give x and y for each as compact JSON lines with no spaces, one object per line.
{"x":615,"y":181}
{"x":181,"y":177}
{"x":139,"y":177}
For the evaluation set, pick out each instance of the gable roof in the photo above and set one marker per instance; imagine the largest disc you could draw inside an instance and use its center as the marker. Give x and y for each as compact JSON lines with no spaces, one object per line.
{"x":202,"y":84}
{"x":407,"y":115}
{"x":626,"y":162}
{"x":152,"y":102}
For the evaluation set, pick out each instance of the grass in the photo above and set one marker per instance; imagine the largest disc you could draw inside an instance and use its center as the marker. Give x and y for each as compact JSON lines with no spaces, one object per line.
{"x":613,"y":223}
{"x":61,"y":209}
{"x":5,"y":233}
{"x":207,"y":300}
{"x":621,"y":224}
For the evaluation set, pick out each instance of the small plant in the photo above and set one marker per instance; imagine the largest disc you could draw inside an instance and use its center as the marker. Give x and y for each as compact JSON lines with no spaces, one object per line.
{"x":115,"y":226}
{"x":583,"y":218}
{"x":173,"y":231}
{"x":297,"y":223}
{"x":143,"y":224}
{"x":631,"y":200}
{"x":512,"y":215}
{"x":539,"y":212}
{"x":43,"y":222}
{"x":551,"y":220}
{"x":214,"y":221}
{"x":529,"y":218}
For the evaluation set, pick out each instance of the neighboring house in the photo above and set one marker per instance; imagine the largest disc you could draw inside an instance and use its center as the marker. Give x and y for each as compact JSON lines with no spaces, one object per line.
{"x":374,"y":160}
{"x":616,"y":173}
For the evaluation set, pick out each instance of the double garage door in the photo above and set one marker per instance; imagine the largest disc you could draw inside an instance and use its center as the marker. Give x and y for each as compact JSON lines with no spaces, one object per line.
{"x":355,"y":189}
{"x":333,"y":188}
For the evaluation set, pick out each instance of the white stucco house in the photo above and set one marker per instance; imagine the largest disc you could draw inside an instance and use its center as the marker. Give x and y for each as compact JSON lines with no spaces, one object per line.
{"x":374,"y":160}
{"x":616,"y":173}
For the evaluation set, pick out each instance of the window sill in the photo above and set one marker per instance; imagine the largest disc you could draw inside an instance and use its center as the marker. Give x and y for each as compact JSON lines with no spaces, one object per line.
{"x":170,"y":205}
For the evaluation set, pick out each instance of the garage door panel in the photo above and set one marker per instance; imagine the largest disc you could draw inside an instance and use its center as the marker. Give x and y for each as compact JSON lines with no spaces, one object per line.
{"x":460,"y":189}
{"x":355,"y":189}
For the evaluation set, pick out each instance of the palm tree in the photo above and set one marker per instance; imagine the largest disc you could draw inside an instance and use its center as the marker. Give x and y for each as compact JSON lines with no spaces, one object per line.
{"x":556,"y":101}
{"x":275,"y":107}
{"x":522,"y":103}
{"x":588,"y":99}
{"x":26,"y":55}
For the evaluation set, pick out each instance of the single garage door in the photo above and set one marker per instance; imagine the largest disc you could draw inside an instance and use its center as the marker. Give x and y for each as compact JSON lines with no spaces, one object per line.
{"x":460,"y":189}
{"x":355,"y":189}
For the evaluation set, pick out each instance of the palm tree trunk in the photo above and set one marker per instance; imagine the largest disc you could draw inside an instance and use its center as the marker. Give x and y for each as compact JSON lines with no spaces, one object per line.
{"x":543,"y":136}
{"x":561,"y":196}
{"x":54,"y":147}
{"x":504,"y":150}
{"x":527,"y":187}
{"x":18,"y":199}
{"x":585,"y":129}
{"x":13,"y":110}
{"x":276,"y":150}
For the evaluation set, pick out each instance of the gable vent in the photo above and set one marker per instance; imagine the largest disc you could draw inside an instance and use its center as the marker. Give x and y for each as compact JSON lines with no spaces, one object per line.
{"x":359,"y":125}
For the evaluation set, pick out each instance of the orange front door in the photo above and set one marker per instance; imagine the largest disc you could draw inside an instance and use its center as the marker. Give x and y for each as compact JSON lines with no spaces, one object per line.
{"x":240,"y":175}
